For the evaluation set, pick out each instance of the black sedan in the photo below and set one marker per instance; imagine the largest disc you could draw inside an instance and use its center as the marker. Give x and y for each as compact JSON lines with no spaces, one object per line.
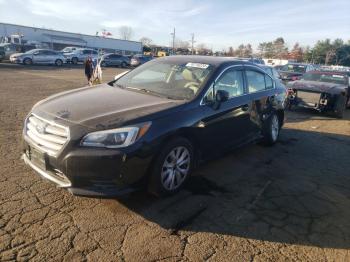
{"x":321,"y":90}
{"x":294,"y":71}
{"x":151,"y":126}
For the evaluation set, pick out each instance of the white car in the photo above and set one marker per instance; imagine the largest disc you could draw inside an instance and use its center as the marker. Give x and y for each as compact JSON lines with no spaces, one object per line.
{"x":39,"y":56}
{"x":80,"y":55}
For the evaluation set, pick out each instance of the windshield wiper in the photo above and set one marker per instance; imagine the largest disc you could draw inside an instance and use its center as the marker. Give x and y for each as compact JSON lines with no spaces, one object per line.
{"x":119,"y":85}
{"x":144,"y":90}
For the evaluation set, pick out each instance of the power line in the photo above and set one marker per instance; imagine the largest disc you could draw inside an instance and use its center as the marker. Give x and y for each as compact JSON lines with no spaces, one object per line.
{"x":192,"y":42}
{"x":173,"y":34}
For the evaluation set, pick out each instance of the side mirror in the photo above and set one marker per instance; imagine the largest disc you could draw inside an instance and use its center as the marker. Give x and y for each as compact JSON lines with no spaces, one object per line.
{"x":220,"y":97}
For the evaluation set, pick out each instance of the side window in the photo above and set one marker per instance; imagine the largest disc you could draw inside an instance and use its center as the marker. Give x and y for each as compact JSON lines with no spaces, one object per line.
{"x":268,"y":82}
{"x":232,"y":82}
{"x":94,"y":52}
{"x":209,"y":96}
{"x":256,"y":81}
{"x":86,"y":52}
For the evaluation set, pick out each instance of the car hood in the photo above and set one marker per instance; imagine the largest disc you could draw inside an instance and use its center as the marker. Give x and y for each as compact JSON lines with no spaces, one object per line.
{"x":102,"y":106}
{"x":317,"y":86}
{"x":15,"y":55}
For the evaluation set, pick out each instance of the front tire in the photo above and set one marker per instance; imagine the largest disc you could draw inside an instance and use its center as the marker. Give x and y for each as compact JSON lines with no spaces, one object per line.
{"x":171,"y":168}
{"x":58,"y":62}
{"x":271,"y":130}
{"x":123,"y":65}
{"x":27,"y":61}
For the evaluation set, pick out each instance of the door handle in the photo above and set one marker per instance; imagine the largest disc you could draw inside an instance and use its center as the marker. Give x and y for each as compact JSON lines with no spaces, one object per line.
{"x":245,"y":107}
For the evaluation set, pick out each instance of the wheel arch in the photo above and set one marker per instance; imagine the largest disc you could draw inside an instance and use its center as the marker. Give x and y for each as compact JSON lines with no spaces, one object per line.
{"x":280,"y":115}
{"x":181,"y":133}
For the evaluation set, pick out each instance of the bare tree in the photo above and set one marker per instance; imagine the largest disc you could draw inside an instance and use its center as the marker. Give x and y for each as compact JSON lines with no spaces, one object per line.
{"x":181,"y":44}
{"x":146,"y":41}
{"x":126,"y":32}
{"x":202,"y":49}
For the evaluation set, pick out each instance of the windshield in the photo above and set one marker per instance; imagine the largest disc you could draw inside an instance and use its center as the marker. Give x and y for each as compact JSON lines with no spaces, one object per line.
{"x":329,"y":78}
{"x":294,"y":68}
{"x":167,"y":78}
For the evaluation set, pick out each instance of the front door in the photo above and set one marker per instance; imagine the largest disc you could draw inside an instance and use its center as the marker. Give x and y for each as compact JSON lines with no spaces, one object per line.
{"x":39,"y":57}
{"x":229,"y":124}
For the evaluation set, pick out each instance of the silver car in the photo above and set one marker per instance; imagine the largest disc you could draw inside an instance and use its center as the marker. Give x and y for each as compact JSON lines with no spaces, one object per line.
{"x":80,"y":55}
{"x":39,"y":56}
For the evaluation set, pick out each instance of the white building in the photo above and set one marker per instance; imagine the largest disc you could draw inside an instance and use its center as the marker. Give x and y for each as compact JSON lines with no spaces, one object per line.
{"x":58,"y":39}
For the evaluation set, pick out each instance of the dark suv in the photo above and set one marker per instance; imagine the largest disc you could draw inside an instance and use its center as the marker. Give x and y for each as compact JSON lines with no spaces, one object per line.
{"x":153,"y":125}
{"x":115,"y":60}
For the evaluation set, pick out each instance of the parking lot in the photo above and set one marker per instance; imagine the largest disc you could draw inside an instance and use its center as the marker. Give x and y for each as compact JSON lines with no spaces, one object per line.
{"x":290,"y":202}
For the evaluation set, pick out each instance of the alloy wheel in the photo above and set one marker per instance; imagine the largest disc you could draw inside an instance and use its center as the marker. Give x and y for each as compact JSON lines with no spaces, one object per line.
{"x":274,"y":127}
{"x":175,"y":168}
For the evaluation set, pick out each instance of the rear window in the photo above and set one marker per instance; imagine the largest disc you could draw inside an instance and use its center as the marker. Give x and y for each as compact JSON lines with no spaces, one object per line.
{"x":329,"y":78}
{"x":294,"y":68}
{"x":256,"y":81}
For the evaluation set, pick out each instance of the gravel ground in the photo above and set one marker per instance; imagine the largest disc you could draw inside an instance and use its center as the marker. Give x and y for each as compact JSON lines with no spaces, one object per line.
{"x":290,"y":202}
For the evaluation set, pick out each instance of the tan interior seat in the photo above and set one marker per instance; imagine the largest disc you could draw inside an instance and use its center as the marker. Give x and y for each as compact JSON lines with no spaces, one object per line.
{"x":192,"y":83}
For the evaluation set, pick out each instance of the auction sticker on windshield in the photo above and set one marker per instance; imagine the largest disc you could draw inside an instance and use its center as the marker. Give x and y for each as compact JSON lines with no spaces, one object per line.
{"x":197,"y":65}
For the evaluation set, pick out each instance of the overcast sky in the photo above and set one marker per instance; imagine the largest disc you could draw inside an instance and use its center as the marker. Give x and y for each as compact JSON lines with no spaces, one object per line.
{"x":218,"y":23}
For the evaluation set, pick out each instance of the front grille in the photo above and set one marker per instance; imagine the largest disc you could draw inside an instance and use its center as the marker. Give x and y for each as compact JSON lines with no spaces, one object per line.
{"x":46,"y":135}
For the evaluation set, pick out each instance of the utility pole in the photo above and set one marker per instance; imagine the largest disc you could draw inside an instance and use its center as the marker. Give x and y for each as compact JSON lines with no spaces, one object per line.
{"x":192,"y":42}
{"x":173,"y":34}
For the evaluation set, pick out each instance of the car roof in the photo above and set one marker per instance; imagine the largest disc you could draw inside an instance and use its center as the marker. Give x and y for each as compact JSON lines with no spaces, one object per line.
{"x":212,"y":60}
{"x":41,"y":49}
{"x":82,"y":48}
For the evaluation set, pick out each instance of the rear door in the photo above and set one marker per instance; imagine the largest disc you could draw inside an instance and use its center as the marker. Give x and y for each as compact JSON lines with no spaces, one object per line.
{"x":51,"y":56}
{"x":117,"y":60}
{"x":84,"y":55}
{"x":261,"y":92}
{"x":230,"y":124}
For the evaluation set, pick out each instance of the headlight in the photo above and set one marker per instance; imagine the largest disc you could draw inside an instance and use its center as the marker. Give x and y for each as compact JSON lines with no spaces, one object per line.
{"x":116,"y":138}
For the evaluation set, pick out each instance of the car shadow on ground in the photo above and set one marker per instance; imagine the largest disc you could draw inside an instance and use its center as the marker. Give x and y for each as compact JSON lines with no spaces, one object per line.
{"x":297,"y":192}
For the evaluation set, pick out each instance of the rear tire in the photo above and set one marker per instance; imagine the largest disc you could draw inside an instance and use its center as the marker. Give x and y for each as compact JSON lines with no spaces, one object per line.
{"x":103,"y":64}
{"x":58,"y":62}
{"x":339,"y":107}
{"x":27,"y":61}
{"x":171,"y":167}
{"x":271,"y":130}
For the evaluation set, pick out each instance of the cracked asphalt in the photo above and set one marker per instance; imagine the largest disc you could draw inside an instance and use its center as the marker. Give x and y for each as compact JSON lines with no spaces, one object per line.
{"x":290,"y":202}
